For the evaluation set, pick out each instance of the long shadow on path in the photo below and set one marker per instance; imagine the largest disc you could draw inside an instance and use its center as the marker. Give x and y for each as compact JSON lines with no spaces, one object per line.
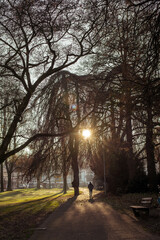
{"x":80,"y":219}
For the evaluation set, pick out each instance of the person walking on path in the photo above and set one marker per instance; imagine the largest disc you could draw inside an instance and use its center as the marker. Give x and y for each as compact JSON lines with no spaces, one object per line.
{"x":90,"y":187}
{"x":98,"y":221}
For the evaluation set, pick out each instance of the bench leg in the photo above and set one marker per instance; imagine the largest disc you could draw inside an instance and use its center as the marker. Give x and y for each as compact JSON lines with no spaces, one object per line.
{"x":147,"y":211}
{"x":136,"y":212}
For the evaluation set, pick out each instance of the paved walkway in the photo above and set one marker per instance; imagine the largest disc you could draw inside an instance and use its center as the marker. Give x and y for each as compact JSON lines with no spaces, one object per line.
{"x":79,"y":219}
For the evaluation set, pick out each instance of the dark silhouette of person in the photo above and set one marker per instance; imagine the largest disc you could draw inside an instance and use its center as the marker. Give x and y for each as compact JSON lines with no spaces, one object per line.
{"x":90,"y":187}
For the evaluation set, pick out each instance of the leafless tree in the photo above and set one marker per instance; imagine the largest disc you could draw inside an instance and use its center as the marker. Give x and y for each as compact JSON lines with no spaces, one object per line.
{"x":38,"y":39}
{"x":131,"y":103}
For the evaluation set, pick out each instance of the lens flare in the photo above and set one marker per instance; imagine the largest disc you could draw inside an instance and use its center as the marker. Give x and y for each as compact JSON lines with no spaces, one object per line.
{"x":74,"y":107}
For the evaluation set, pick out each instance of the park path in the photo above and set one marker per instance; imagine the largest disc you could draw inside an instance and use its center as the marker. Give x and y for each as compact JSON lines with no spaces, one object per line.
{"x":80,"y":219}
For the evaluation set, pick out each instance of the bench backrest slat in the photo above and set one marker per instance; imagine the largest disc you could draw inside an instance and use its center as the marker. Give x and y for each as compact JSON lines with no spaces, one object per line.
{"x":146,"y":201}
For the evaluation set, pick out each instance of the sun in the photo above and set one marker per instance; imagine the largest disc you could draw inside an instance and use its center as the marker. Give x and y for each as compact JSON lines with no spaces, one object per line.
{"x":86,"y":133}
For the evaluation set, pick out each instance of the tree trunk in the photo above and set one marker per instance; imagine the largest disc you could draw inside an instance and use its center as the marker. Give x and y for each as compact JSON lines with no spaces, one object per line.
{"x":49,"y":182}
{"x":64,"y":176}
{"x":18,"y":180}
{"x":152,"y":178}
{"x":75,"y":168}
{"x":131,"y":160}
{"x":128,"y":109}
{"x":113,"y":129}
{"x":38,"y":182}
{"x":76,"y":176}
{"x":9,"y":167}
{"x":2,"y":182}
{"x":7,"y":139}
{"x":9,"y":184}
{"x":64,"y":183}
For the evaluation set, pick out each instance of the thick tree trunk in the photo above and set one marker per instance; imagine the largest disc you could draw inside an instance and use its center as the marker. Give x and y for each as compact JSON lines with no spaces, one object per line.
{"x":9,"y":167}
{"x":2,"y":182}
{"x":13,"y":126}
{"x":152,"y":178}
{"x":76,"y":178}
{"x":64,"y":183}
{"x":75,"y":167}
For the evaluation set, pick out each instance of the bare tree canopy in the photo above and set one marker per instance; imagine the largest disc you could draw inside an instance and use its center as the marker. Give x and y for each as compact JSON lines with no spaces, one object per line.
{"x":38,"y":39}
{"x":46,"y":48}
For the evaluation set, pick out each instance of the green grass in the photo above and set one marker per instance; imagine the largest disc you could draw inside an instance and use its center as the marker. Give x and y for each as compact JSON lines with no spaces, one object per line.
{"x":21,"y":195}
{"x":23,"y":210}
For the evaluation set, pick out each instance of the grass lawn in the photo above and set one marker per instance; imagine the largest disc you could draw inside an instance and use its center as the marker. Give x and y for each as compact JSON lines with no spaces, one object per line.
{"x":22,"y":210}
{"x":122,"y":203}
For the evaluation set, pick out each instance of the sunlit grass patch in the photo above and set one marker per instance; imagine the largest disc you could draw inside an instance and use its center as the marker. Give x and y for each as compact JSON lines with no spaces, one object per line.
{"x":23,"y":209}
{"x":28,"y":200}
{"x":25,"y":195}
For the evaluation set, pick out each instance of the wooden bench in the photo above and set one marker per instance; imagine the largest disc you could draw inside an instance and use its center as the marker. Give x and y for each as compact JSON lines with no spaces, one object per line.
{"x":145,"y":205}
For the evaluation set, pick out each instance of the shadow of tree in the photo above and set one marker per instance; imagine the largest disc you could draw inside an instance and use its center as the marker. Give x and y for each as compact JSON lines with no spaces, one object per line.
{"x":99,"y":197}
{"x":29,"y":204}
{"x":23,"y":218}
{"x":64,"y":207}
{"x":10,"y":194}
